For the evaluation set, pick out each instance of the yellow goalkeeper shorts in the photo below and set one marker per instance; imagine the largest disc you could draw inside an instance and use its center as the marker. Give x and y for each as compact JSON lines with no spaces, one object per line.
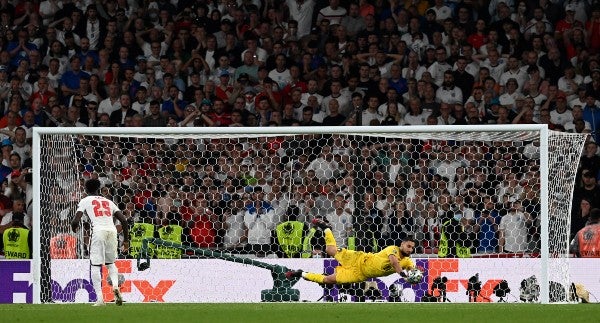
{"x":350,"y":268}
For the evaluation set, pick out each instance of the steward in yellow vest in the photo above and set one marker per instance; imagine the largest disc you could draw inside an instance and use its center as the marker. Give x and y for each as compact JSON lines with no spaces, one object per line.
{"x":17,"y":240}
{"x":138,"y":232}
{"x":289,"y":237}
{"x":454,"y":241}
{"x":172,"y":233}
{"x":307,"y":244}
{"x":289,"y":234}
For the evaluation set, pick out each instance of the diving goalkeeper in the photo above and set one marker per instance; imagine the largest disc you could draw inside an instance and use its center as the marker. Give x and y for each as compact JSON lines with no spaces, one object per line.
{"x":358,"y":266}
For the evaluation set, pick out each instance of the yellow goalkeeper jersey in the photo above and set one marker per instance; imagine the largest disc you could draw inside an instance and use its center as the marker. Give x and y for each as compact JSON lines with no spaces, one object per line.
{"x":378,"y":264}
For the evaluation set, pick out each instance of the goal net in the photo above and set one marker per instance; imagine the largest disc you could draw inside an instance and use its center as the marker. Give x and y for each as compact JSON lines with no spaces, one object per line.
{"x":486,"y":204}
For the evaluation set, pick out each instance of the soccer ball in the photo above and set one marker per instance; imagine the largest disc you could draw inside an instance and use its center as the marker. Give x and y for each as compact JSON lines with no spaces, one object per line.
{"x":414,"y":276}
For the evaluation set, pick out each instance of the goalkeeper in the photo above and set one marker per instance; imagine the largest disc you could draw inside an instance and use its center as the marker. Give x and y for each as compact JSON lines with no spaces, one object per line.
{"x":358,"y":266}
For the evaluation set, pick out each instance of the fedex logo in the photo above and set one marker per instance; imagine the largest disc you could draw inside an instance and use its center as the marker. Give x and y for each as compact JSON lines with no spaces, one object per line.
{"x":15,"y":282}
{"x":149,"y":292}
{"x":441,"y":267}
{"x":16,"y":285}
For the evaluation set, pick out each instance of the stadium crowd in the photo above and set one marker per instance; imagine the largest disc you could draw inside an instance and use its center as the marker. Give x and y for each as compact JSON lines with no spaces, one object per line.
{"x":236,"y":63}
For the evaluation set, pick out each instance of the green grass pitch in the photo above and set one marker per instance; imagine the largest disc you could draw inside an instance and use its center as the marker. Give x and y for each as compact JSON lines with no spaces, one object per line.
{"x":301,"y":312}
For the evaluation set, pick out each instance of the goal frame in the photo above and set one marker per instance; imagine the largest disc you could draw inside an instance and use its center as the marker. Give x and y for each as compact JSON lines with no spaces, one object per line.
{"x":215,"y":132}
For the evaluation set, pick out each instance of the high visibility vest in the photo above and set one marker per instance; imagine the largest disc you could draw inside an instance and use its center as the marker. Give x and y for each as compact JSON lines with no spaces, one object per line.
{"x":16,"y":244}
{"x":138,"y":232}
{"x":171,"y":233}
{"x":589,"y":241}
{"x":307,"y":247}
{"x":351,"y":243}
{"x":461,"y":252}
{"x":63,"y":246}
{"x":289,"y":236}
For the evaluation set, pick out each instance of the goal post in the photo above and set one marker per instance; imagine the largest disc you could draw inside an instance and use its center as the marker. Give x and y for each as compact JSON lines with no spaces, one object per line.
{"x":514,"y":163}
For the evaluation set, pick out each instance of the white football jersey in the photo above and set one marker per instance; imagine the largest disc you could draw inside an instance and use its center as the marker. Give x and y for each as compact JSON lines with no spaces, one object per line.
{"x":99,"y":210}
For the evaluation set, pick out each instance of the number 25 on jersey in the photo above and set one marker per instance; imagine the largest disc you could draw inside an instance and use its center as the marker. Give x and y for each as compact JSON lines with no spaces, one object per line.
{"x":101,"y":208}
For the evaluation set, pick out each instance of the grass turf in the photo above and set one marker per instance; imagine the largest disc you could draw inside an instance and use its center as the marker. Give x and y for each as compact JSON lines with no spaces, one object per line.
{"x":301,"y":312}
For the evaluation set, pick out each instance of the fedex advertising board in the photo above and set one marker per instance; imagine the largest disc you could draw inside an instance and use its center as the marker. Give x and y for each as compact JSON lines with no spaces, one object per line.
{"x":208,"y":280}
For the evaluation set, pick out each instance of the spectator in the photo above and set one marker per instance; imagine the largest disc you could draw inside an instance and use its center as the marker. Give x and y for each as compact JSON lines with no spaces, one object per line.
{"x":586,"y":243}
{"x":368,"y":225}
{"x":591,"y":114}
{"x":440,"y":66}
{"x":513,"y":229}
{"x":204,"y":223}
{"x":118,"y":53}
{"x":393,"y":116}
{"x":324,"y":166}
{"x":589,"y":188}
{"x":449,"y":92}
{"x":401,"y":223}
{"x":561,"y":115}
{"x":486,"y":227}
{"x":340,"y":220}
{"x":112,"y":102}
{"x":73,"y":117}
{"x":372,"y":112}
{"x":415,"y":116}
{"x":302,"y":13}
{"x":18,"y":207}
{"x":117,"y":118}
{"x":260,"y":221}
{"x":333,"y":13}
{"x":154,"y":118}
{"x":353,"y":21}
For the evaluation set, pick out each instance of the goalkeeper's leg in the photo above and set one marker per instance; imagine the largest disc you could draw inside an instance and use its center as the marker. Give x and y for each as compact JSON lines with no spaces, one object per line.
{"x":330,"y":244}
{"x":313,"y":277}
{"x":330,"y":248}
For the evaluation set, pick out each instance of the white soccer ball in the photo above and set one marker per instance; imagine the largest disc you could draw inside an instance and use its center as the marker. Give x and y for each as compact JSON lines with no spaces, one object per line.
{"x":414,"y":276}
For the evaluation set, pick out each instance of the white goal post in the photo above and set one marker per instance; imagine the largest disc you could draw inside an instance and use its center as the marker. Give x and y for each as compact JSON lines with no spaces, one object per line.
{"x":58,"y":174}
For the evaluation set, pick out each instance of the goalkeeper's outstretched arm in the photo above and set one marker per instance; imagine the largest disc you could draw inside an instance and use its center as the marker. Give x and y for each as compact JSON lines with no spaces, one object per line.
{"x":396,"y":264}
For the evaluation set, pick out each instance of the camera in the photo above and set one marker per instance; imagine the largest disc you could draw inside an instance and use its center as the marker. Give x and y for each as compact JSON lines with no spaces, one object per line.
{"x":360,"y":292}
{"x":439,"y":285}
{"x":473,"y":288}
{"x":395,"y":293}
{"x":530,"y":290}
{"x":371,"y":291}
{"x":501,"y":289}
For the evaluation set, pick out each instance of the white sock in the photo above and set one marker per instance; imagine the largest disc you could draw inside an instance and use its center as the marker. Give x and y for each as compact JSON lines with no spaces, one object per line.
{"x":113,"y":273}
{"x":97,"y":282}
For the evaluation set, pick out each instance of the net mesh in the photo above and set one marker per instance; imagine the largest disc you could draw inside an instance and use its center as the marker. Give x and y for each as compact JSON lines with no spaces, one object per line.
{"x":564,"y":152}
{"x":239,"y":194}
